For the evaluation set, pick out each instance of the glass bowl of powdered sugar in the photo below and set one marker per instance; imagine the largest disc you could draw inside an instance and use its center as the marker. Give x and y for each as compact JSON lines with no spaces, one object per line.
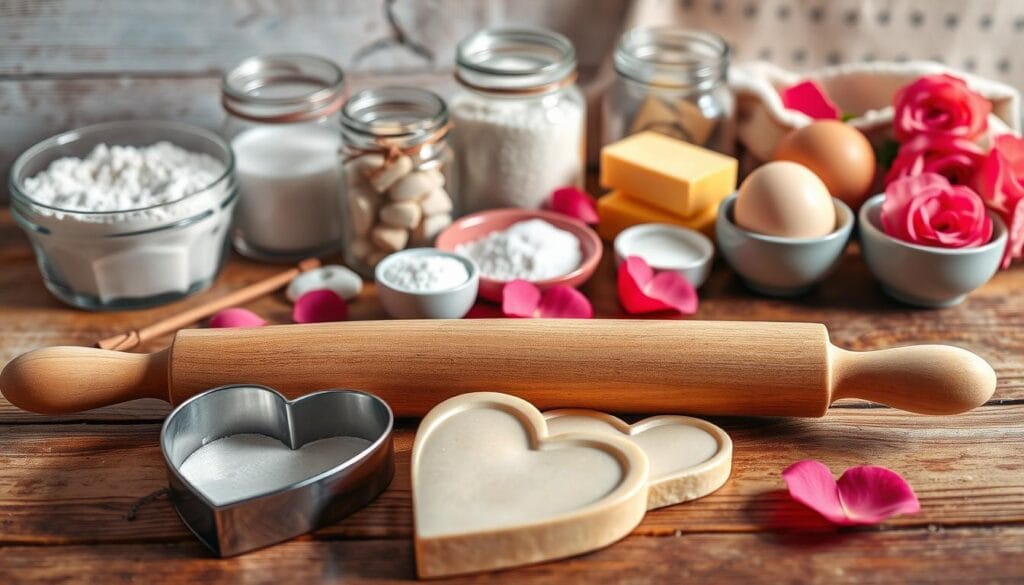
{"x":126,"y":214}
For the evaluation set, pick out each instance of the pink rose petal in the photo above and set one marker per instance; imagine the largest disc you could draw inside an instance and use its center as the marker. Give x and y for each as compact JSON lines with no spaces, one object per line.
{"x":643,"y":291}
{"x":863,"y":495}
{"x":520,"y":298}
{"x":809,"y":97}
{"x":319,"y":306}
{"x":236,"y":317}
{"x":575,"y":203}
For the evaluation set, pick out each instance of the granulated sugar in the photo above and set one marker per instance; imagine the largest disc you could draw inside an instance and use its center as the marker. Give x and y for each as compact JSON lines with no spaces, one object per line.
{"x":531,"y":250}
{"x":242,"y":466}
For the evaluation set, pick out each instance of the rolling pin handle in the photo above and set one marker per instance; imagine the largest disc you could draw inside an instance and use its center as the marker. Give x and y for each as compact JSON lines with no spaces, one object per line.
{"x":62,"y":380}
{"x":926,"y":379}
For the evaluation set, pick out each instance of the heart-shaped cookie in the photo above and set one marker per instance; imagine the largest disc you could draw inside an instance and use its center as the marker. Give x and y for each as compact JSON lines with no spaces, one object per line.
{"x":492,"y":489}
{"x":689,"y":457}
{"x":253,"y":483}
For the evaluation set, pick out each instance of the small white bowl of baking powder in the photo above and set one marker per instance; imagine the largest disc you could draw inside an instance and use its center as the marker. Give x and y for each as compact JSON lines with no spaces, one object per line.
{"x":427,"y":283}
{"x":668,"y":247}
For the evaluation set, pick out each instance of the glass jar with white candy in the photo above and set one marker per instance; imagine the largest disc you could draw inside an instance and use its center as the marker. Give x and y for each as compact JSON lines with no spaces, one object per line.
{"x":399,"y":172}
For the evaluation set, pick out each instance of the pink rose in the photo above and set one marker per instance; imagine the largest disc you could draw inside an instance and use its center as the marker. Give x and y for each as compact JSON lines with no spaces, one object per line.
{"x":928,"y":210}
{"x":939,"y":105}
{"x":957,"y":159}
{"x":1000,"y":181}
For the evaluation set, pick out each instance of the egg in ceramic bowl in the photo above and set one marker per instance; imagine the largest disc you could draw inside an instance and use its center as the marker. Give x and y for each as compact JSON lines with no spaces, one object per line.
{"x":787,"y":235}
{"x":838,"y":153}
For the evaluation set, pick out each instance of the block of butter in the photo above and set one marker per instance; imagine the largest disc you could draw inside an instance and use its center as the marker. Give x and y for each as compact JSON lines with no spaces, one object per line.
{"x":667,"y":173}
{"x":617,"y":212}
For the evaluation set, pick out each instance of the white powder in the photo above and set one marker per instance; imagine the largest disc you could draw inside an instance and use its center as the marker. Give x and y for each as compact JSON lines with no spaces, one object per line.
{"x":290,"y":178}
{"x":423,"y":273}
{"x":129,"y":250}
{"x":531,"y":250}
{"x":242,"y":466}
{"x":122,"y":178}
{"x":515,"y":152}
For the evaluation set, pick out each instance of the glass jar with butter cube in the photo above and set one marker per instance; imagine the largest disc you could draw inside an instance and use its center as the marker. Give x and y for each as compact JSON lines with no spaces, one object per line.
{"x":398,"y":170}
{"x":673,"y":81}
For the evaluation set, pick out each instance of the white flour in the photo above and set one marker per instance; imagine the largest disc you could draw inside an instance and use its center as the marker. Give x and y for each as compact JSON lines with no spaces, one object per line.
{"x":122,"y":178}
{"x":425,"y":273}
{"x":514,"y":153}
{"x":242,"y":466}
{"x":120,"y":185}
{"x":531,"y":250}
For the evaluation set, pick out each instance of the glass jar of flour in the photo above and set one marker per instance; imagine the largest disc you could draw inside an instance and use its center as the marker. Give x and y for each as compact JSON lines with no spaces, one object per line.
{"x":673,"y":81}
{"x":518,"y":119}
{"x":282,"y":124}
{"x":401,"y":185}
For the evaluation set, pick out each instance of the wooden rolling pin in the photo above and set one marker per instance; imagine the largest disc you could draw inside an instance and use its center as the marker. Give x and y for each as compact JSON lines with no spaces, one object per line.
{"x":711,"y":367}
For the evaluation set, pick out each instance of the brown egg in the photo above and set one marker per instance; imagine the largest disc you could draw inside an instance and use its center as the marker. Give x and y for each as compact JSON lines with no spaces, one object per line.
{"x":785,"y":199}
{"x":838,"y":153}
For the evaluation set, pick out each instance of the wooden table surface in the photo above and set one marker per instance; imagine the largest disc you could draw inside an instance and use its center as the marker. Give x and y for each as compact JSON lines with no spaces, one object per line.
{"x":68,"y":485}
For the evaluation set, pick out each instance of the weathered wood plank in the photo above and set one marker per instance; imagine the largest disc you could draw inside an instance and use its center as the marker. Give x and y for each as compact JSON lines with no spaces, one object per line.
{"x":105,"y":36}
{"x":968,"y":555}
{"x":75,"y":483}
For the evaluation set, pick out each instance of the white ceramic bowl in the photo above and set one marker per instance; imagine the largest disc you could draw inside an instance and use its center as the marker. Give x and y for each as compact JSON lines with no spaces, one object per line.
{"x":668,"y":247}
{"x":449,"y":303}
{"x":923,"y":275}
{"x":777,"y":266}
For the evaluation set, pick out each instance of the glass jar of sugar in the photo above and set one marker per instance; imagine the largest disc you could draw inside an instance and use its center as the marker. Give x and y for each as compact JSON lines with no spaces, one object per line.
{"x":282,"y":113}
{"x":673,"y":81}
{"x":519,"y":118}
{"x":401,"y":188}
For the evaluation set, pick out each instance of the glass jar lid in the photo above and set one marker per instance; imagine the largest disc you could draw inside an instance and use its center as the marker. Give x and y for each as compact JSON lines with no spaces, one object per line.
{"x":399,"y":116}
{"x":672,"y":57}
{"x":514,"y":60}
{"x":283,"y":88}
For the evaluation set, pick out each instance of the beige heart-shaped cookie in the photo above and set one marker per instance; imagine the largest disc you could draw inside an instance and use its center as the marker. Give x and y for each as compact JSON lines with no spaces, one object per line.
{"x":689,"y":457}
{"x":492,"y":489}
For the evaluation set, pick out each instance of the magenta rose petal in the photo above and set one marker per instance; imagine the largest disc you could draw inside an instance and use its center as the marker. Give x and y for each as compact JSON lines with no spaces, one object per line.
{"x":809,"y":97}
{"x":865,"y":494}
{"x":575,"y":203}
{"x":236,"y":317}
{"x":643,"y":291}
{"x":520,"y":298}
{"x":319,"y":306}
{"x":871,"y":494}
{"x":564,"y":302}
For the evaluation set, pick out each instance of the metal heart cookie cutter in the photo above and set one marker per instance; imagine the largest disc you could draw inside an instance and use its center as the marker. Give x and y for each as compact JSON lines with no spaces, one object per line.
{"x":353,"y":478}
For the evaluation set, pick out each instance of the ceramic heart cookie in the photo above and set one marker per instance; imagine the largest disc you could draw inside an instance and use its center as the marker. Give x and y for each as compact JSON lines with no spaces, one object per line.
{"x":491,"y":489}
{"x":689,"y":457}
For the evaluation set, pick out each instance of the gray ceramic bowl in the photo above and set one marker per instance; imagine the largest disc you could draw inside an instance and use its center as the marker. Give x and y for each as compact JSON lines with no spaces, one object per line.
{"x":777,"y":266}
{"x":450,"y":303}
{"x":668,"y":247}
{"x":922,"y":275}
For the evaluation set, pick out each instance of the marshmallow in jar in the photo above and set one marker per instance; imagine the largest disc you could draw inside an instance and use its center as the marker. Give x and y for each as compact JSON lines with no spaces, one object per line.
{"x":400,"y":184}
{"x":518,"y":118}
{"x":282,"y":125}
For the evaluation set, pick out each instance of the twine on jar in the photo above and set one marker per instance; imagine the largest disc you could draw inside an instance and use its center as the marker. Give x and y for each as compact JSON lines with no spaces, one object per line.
{"x":391,"y":151}
{"x":520,"y":91}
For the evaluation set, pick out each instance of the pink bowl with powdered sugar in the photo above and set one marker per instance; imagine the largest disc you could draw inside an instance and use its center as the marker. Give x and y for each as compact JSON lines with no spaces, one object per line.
{"x":477,"y":225}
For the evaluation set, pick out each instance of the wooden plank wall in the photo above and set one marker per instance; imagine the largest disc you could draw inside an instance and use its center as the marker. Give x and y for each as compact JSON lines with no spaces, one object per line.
{"x":67,"y":63}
